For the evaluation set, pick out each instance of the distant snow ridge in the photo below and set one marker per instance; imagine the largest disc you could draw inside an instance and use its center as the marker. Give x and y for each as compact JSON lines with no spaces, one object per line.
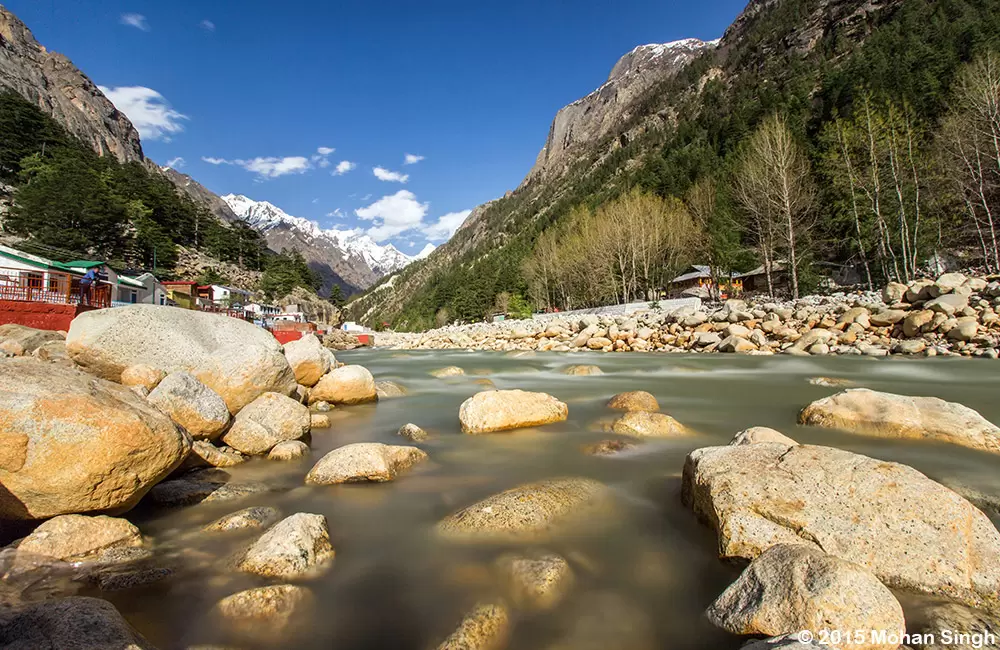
{"x":263,"y":216}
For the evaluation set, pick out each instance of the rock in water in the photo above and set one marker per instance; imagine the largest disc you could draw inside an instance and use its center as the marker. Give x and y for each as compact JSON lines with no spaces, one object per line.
{"x":236,"y":359}
{"x":191,"y":404}
{"x":69,"y":624}
{"x":608,"y":447}
{"x":450,"y":371}
{"x":640,"y":424}
{"x":636,"y":400}
{"x":535,"y":582}
{"x":268,"y":420}
{"x":308,"y":358}
{"x":76,"y":537}
{"x":911,"y":532}
{"x":294,"y":548}
{"x":289,"y":450}
{"x":364,"y":462}
{"x":388,"y":389}
{"x":270,"y":613}
{"x":72,"y":443}
{"x":502,"y":410}
{"x":792,"y":587}
{"x":607,"y":621}
{"x":753,"y":435}
{"x":345,"y":385}
{"x":582,"y":371}
{"x":412,"y":432}
{"x":885,"y":415}
{"x":531,"y":512}
{"x":205,"y":454}
{"x":486,"y":627}
{"x":248,"y":518}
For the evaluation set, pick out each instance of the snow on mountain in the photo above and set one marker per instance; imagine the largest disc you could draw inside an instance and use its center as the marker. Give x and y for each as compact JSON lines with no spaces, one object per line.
{"x":427,"y":250}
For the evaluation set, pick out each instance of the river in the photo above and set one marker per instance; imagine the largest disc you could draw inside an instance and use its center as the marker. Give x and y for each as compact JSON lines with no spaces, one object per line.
{"x":393,"y":585}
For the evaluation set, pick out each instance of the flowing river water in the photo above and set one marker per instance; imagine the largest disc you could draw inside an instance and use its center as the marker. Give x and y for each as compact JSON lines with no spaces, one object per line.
{"x":650,"y":573}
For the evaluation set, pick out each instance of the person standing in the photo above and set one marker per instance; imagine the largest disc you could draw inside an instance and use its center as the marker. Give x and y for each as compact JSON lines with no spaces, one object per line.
{"x":87,"y":286}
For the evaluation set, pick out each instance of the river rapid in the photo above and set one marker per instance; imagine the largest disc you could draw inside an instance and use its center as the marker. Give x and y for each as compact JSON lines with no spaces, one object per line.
{"x":650,"y":572}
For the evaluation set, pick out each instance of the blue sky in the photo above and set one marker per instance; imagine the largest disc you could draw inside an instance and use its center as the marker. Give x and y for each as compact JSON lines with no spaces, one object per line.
{"x":265,"y":88}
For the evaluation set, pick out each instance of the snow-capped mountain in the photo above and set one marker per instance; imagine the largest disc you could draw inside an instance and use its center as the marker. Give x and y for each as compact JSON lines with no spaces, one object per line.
{"x":349,"y":258}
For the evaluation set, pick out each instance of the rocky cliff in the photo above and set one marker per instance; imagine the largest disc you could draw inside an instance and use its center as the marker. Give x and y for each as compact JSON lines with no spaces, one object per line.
{"x":199,"y":193}
{"x":57,"y":87}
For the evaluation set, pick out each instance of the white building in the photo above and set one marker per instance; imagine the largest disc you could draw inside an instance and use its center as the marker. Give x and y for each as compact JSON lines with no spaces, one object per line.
{"x":224,"y":296}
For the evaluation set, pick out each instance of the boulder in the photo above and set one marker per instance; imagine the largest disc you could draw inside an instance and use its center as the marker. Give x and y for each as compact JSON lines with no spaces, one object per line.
{"x":54,"y":351}
{"x":412,"y":432}
{"x":236,"y":359}
{"x":345,"y":385}
{"x":289,"y":450}
{"x":308,"y":358}
{"x":582,"y":371}
{"x":965,"y":329}
{"x":294,"y":548}
{"x":486,"y":627}
{"x":191,"y":404}
{"x":142,"y":375}
{"x":754,"y":435}
{"x":642,"y":424}
{"x":933,"y":622}
{"x":502,"y":410}
{"x":948,"y":283}
{"x":792,"y":587}
{"x":268,"y":420}
{"x":948,"y":304}
{"x":636,"y":400}
{"x":271,"y":614}
{"x":608,"y":447}
{"x":364,"y":462}
{"x":913,"y":533}
{"x":884,"y":415}
{"x":915,"y":321}
{"x":206,"y":486}
{"x":69,"y":624}
{"x":535,"y":582}
{"x":887,"y":317}
{"x":76,"y":537}
{"x":893,"y":292}
{"x":736,"y":344}
{"x":205,"y":454}
{"x":449,"y":371}
{"x":257,"y":517}
{"x":319,"y":421}
{"x":72,"y":443}
{"x":530,"y":512}
{"x":389,"y":389}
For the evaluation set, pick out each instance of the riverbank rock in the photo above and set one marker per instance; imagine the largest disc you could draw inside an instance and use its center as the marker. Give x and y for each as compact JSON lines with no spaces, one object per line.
{"x":486,"y":627}
{"x":885,"y":415}
{"x":503,"y":410}
{"x":271,"y":613}
{"x":257,"y":517}
{"x":642,"y":424}
{"x":412,"y":432}
{"x":72,"y":443}
{"x":319,"y":421}
{"x":289,"y":450}
{"x":142,"y":376}
{"x":913,"y":533}
{"x":388,"y":389}
{"x":191,"y":404}
{"x":21,"y":340}
{"x":636,"y":400}
{"x":530,"y":512}
{"x":206,"y":486}
{"x":345,"y":385}
{"x":76,"y":537}
{"x":267,"y":421}
{"x":753,"y":435}
{"x":582,"y":371}
{"x":205,"y":454}
{"x":236,"y":359}
{"x":448,"y":371}
{"x":608,"y":447}
{"x":936,"y":620}
{"x":791,"y":587}
{"x":364,"y":462}
{"x":308,"y":358}
{"x":535,"y":582}
{"x":294,"y":548}
{"x":69,"y":624}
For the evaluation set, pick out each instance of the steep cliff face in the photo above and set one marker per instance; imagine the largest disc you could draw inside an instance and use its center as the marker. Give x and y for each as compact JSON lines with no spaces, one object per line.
{"x":199,"y":193}
{"x":57,"y":87}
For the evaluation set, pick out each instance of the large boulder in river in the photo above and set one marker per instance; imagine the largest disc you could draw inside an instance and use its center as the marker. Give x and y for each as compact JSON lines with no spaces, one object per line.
{"x":267,"y":421}
{"x":635,"y":400}
{"x":236,"y":359}
{"x":885,"y":415}
{"x":69,"y":624}
{"x":271,"y":614}
{"x":73,"y":443}
{"x":531,"y":512}
{"x":296,"y":547}
{"x":642,"y":424}
{"x":792,"y":587}
{"x":913,"y":533}
{"x":308,"y":358}
{"x":364,"y":462}
{"x":345,"y":385}
{"x":191,"y":404}
{"x":77,"y":537}
{"x":502,"y":410}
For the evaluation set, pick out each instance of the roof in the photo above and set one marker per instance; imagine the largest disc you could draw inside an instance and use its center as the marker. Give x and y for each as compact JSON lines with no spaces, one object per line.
{"x":82,"y":264}
{"x":775,"y":266}
{"x":188,"y":283}
{"x":698,"y":272}
{"x":26,"y":258}
{"x":131,"y":282}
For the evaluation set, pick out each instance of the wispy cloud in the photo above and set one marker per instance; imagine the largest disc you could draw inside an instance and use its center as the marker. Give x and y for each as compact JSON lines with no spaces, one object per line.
{"x":135,"y":20}
{"x":215,"y":161}
{"x":343,"y":167}
{"x":325,"y":151}
{"x":446,"y":225}
{"x":412,"y":159}
{"x":321,"y":157}
{"x":393,"y":214}
{"x":337,"y":214}
{"x":266,"y":167}
{"x":384,"y":174}
{"x":176,"y":163}
{"x":147,"y":109}
{"x":207,"y":25}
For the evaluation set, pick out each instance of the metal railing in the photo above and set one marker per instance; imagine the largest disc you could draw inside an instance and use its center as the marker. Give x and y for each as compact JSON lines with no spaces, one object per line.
{"x":53,"y":287}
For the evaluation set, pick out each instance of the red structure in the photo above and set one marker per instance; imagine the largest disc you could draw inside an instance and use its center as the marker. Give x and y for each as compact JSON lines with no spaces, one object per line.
{"x":287,"y":336}
{"x":40,"y":315}
{"x":48,"y":300}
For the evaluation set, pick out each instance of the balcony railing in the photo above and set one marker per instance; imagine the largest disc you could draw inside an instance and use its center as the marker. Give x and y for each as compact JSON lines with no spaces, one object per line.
{"x":53,"y":287}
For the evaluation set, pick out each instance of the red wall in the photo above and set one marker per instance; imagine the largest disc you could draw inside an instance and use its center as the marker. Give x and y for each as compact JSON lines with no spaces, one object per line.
{"x":39,"y":315}
{"x":286,"y":336}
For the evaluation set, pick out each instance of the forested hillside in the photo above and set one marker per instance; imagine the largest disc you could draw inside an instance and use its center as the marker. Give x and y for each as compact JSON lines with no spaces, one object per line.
{"x":820,"y":131}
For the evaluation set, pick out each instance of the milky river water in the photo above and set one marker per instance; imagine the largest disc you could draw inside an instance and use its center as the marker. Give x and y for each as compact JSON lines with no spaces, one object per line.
{"x":642,"y":580}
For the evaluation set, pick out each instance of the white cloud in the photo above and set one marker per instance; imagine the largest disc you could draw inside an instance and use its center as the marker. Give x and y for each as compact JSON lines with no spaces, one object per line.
{"x":207,"y":25}
{"x":273,"y":167}
{"x":215,"y":161}
{"x":325,"y":151}
{"x":343,"y":167}
{"x":135,"y":20}
{"x":393,"y":177}
{"x":366,"y":197}
{"x":393,"y":214}
{"x":147,"y":109}
{"x":446,"y":226}
{"x":412,"y":159}
{"x":337,"y":214}
{"x":176,"y":163}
